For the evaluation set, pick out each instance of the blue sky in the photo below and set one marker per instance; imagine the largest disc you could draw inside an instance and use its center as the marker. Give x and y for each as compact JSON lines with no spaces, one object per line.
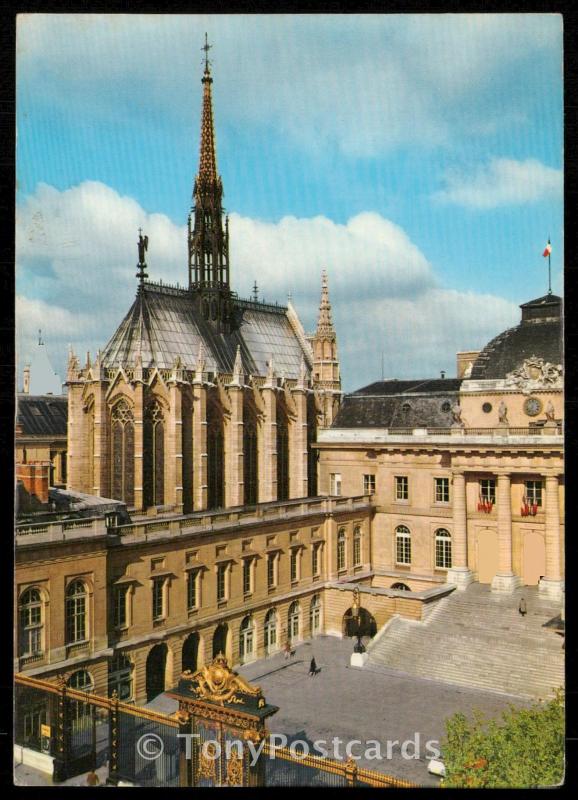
{"x":418,"y":158}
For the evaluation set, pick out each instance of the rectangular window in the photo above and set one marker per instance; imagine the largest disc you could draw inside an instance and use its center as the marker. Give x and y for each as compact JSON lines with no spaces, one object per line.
{"x":357,"y":549}
{"x":488,"y":489}
{"x":294,"y":565}
{"x":272,"y":570}
{"x":192,"y":590}
{"x":401,"y":487}
{"x":248,"y":576}
{"x":369,"y":484}
{"x":442,"y":490}
{"x":534,"y":492}
{"x":315,"y":559}
{"x":335,"y":488}
{"x":221,"y":582}
{"x":158,"y":598}
{"x":403,"y":548}
{"x":120,"y":616}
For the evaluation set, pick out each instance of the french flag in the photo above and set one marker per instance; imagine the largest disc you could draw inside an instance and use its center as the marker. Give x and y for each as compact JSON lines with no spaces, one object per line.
{"x":548,"y":249}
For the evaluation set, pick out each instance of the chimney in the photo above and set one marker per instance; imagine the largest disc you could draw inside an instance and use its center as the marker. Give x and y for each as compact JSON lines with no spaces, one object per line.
{"x":26,"y":379}
{"x":465,"y":362}
{"x":443,"y":374}
{"x":35,"y":478}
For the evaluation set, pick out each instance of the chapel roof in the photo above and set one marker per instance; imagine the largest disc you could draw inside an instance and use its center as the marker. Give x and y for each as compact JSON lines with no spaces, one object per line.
{"x":42,"y":415}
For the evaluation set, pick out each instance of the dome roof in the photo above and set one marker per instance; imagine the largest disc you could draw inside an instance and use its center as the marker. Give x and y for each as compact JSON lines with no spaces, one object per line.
{"x":539,"y":334}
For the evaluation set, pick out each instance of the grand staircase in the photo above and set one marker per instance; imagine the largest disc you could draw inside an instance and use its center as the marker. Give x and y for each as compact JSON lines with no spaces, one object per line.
{"x":477,"y":638}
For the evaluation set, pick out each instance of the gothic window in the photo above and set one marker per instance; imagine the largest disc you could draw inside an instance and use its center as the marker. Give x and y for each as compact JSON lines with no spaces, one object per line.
{"x":282,"y":453}
{"x":443,"y":549}
{"x":215,"y":460}
{"x":76,"y":612}
{"x":120,"y":671}
{"x":153,"y":455}
{"x":312,"y":454}
{"x":403,"y":545}
{"x":122,"y":481}
{"x":250,"y":453}
{"x":31,"y":623}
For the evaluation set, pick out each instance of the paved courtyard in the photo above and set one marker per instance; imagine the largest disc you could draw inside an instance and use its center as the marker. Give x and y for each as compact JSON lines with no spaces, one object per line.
{"x":363,"y":704}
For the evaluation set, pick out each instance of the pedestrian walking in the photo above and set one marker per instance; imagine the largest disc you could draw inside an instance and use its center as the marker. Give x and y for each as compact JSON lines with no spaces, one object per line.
{"x":312,"y":667}
{"x":287,"y":650}
{"x":522,"y":607}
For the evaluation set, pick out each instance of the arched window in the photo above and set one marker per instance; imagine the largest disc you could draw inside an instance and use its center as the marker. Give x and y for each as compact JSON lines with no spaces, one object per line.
{"x":271,"y":631}
{"x":250,"y":453}
{"x":401,"y":587}
{"x":293,"y":619}
{"x":246,"y":639}
{"x":122,"y":427}
{"x":315,"y":615}
{"x":120,"y":671}
{"x":357,"y":545}
{"x":403,"y":545}
{"x":341,"y":563}
{"x":215,"y":462}
{"x":154,"y":455}
{"x":31,"y":623}
{"x":76,"y":613}
{"x":80,"y":713}
{"x":443,"y":549}
{"x":282,"y":451}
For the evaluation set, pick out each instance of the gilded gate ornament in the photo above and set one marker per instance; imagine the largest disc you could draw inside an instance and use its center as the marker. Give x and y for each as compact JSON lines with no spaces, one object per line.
{"x":218,"y":682}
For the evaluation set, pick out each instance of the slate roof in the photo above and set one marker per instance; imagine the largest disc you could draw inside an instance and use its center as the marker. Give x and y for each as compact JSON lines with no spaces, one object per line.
{"x":42,"y":415}
{"x":400,"y":404}
{"x":538,"y":334}
{"x":164,"y":323}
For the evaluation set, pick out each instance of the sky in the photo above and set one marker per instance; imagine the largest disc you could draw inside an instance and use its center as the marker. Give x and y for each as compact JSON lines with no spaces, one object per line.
{"x":417,"y":158}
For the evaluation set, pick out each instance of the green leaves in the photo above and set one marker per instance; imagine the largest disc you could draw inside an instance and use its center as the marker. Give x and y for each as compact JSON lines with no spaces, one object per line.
{"x":523,"y":750}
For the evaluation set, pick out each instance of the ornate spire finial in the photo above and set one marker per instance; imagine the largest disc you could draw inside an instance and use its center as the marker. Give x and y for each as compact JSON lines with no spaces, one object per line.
{"x":143,"y":246}
{"x":324,"y":324}
{"x":302,"y":381}
{"x":270,"y":373}
{"x":238,"y":368}
{"x":208,"y":160}
{"x":200,"y":365}
{"x":206,"y":47}
{"x":255,"y":292}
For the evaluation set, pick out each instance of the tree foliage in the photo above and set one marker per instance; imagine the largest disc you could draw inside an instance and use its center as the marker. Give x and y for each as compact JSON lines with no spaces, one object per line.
{"x":525,"y":749}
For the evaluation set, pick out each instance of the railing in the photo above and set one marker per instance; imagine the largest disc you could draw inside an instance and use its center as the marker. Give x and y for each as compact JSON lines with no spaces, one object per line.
{"x":283,"y":768}
{"x":200,"y":520}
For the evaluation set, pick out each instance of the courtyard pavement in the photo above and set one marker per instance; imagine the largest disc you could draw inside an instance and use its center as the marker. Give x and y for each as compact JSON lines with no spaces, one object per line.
{"x":365,"y":704}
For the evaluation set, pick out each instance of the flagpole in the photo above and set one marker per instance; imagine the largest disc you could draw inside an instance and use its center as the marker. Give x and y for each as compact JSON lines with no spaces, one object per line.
{"x":549,"y":271}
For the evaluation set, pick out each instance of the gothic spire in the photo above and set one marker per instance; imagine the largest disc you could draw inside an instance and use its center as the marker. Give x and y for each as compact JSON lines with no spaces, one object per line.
{"x":325,"y":324}
{"x":208,"y":159}
{"x":208,"y":237}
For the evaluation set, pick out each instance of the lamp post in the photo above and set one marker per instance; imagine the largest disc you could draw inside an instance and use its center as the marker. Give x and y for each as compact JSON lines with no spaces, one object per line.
{"x":356,"y":616}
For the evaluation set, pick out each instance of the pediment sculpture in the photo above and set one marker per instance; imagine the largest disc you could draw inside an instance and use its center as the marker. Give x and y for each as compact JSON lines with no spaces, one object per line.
{"x":535,"y":373}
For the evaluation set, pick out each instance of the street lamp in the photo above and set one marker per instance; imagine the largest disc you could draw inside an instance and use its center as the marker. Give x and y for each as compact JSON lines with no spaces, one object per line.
{"x":356,"y":616}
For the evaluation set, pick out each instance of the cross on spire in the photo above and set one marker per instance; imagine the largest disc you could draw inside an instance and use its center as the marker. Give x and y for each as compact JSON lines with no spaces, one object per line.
{"x":206,"y":47}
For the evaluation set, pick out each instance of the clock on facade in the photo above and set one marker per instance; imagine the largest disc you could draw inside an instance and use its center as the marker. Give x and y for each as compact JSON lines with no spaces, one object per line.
{"x":532,"y":406}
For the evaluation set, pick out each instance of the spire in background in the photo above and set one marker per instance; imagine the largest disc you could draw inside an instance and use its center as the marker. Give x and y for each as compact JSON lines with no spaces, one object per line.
{"x":325,"y":324}
{"x":208,"y":159}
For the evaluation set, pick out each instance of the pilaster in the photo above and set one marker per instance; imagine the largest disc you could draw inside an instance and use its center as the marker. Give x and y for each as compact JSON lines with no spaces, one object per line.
{"x":101,"y":486}
{"x":268,"y":447}
{"x":138,"y":445}
{"x":199,"y":445}
{"x":234,"y":486}
{"x":174,"y":462}
{"x":298,"y":445}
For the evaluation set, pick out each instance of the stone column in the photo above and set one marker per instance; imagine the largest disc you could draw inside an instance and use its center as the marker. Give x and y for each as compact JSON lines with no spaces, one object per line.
{"x":174,"y":459}
{"x":504,"y":580}
{"x":234,"y":486}
{"x":298,"y":446}
{"x":200,"y":488}
{"x":460,"y":575}
{"x":139,"y":445}
{"x":268,"y":447}
{"x":552,"y":583}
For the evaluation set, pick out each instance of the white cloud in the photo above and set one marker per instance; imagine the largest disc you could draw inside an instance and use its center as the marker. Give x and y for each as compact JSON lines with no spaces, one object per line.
{"x":502,"y":182}
{"x":76,"y":257}
{"x":410,"y":78}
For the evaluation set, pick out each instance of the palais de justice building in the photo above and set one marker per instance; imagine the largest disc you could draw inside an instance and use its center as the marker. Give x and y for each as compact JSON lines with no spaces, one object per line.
{"x":222,"y":495}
